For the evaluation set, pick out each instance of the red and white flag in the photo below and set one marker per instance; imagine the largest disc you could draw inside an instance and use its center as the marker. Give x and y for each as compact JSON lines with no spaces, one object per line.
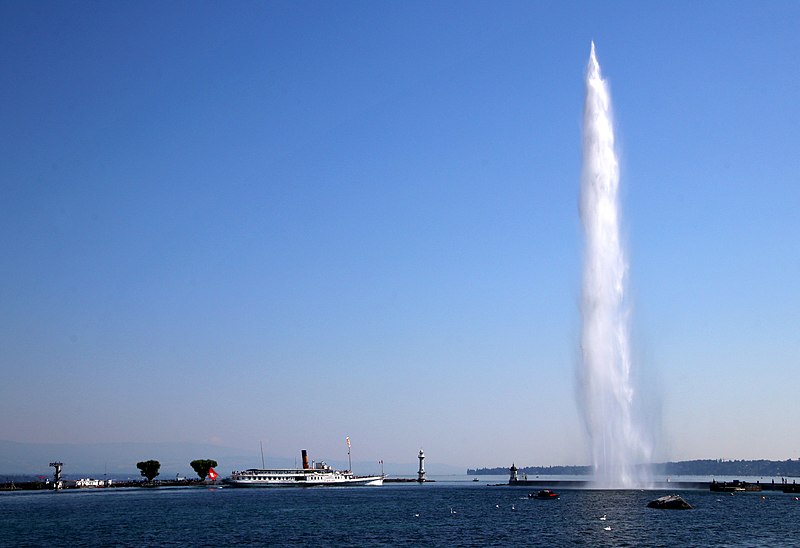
{"x":212,"y":474}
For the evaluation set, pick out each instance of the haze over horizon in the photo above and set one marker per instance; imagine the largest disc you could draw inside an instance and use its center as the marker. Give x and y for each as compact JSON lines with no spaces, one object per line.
{"x":293,"y":222}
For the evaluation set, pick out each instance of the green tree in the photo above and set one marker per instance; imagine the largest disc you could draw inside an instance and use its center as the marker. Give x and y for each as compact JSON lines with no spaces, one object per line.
{"x":149,"y":468}
{"x":201,"y":466}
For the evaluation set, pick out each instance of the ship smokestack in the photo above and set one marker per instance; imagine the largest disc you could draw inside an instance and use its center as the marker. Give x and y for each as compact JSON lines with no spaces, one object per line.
{"x":305,"y":459}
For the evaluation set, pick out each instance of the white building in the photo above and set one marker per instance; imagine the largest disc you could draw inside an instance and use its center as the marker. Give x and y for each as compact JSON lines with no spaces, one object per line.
{"x":89,"y":482}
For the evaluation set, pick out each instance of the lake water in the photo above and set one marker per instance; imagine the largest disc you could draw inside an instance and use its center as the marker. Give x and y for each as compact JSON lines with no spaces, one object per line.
{"x":440,"y":514}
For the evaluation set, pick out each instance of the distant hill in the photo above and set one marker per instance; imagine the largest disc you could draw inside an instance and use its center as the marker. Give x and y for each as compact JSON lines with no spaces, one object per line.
{"x":118,"y":460}
{"x":707,"y":467}
{"x":532,"y":470}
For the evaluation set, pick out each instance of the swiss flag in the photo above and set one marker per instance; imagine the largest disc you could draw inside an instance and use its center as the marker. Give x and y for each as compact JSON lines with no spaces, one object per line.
{"x":212,"y":474}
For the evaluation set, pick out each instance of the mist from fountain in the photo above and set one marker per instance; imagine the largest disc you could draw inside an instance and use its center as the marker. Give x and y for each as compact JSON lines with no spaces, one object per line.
{"x":608,"y":396}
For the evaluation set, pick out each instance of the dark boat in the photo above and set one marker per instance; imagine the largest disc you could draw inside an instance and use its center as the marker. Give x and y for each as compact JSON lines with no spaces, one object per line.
{"x":543,"y":494}
{"x":670,"y":502}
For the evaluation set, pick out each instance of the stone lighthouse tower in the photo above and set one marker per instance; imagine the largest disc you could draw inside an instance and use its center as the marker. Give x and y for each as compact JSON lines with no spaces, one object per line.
{"x":421,"y":471}
{"x":513,"y":478}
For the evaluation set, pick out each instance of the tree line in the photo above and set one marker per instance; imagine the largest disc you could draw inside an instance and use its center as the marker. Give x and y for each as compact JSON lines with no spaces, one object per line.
{"x":149,"y":469}
{"x":703,"y":467}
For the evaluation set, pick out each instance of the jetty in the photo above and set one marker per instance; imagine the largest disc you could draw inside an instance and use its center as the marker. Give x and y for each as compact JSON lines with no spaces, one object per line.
{"x":588,"y":484}
{"x":721,"y":486}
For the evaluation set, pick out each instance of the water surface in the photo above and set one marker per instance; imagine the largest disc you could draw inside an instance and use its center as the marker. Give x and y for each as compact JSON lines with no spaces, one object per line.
{"x":393,"y":515}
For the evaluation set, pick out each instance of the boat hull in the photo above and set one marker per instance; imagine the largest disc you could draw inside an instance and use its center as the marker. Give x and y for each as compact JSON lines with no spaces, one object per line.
{"x":367,"y":481}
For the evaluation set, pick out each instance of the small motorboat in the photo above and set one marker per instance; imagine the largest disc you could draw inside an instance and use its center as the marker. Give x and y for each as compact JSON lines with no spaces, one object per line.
{"x":670,"y":502}
{"x":543,"y":494}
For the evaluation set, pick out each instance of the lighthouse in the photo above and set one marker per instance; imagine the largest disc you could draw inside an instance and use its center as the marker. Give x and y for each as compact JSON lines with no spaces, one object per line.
{"x":513,"y":478}
{"x":421,"y":471}
{"x":57,"y":483}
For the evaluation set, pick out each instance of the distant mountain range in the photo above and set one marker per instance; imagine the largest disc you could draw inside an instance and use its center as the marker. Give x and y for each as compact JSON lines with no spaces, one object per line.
{"x":708,"y":467}
{"x":118,"y":460}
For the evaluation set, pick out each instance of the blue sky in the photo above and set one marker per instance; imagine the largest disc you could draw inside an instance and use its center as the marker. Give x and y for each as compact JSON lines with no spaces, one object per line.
{"x":292,"y":222}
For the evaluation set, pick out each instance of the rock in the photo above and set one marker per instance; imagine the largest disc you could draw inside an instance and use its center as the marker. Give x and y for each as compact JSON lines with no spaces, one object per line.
{"x":670,"y":502}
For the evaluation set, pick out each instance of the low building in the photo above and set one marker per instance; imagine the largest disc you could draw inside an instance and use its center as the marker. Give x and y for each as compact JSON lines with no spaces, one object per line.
{"x":89,"y":482}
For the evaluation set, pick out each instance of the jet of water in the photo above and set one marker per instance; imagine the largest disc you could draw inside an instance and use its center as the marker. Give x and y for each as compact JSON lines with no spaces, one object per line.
{"x":617,"y":443}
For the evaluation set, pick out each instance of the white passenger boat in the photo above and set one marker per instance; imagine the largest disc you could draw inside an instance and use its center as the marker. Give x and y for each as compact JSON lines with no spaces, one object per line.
{"x":308,"y":476}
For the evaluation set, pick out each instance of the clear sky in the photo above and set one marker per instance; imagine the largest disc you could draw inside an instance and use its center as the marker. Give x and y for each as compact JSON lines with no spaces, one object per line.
{"x":292,"y":222}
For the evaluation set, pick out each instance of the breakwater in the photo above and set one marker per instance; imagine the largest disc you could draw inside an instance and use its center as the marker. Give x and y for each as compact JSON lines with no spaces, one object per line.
{"x":407,"y":480}
{"x":117,"y":484}
{"x":731,"y":486}
{"x":586,"y":484}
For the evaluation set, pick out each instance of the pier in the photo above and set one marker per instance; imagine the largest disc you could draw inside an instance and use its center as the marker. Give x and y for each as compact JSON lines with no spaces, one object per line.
{"x":731,"y":486}
{"x":587,"y":484}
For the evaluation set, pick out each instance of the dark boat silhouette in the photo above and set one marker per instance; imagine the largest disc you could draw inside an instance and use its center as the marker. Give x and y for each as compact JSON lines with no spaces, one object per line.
{"x":543,"y":494}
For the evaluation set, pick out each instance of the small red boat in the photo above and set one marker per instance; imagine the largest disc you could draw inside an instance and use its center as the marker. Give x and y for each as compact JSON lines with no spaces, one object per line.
{"x":543,"y":494}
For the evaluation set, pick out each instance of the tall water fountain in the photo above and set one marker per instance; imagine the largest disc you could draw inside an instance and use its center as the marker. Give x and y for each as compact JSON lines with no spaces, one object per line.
{"x":617,"y":442}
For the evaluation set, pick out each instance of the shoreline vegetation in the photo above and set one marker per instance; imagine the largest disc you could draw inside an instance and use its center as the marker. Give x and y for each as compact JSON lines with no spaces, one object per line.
{"x":703,"y":467}
{"x":148,"y":469}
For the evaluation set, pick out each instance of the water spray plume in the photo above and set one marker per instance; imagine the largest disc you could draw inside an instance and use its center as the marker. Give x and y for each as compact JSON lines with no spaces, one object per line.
{"x":608,"y":395}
